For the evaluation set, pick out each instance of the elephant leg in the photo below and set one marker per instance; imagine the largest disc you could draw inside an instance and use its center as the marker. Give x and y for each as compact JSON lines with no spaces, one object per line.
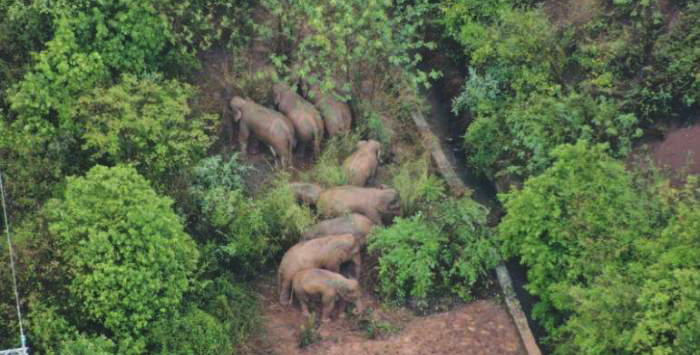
{"x":317,"y":144}
{"x":284,"y":291}
{"x":357,"y":260}
{"x":340,"y":308}
{"x":243,"y":135}
{"x":304,"y":301}
{"x":328,"y":301}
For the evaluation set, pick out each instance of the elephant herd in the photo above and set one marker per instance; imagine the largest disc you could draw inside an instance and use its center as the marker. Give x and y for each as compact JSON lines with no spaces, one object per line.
{"x":298,"y":121}
{"x":312,"y":266}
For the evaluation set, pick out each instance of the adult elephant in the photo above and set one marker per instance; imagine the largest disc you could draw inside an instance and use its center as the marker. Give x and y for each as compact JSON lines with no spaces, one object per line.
{"x":378,"y":205}
{"x":336,"y":114}
{"x":307,"y":121}
{"x":269,"y":126}
{"x":362,"y":164}
{"x":324,"y":253}
{"x":353,"y":223}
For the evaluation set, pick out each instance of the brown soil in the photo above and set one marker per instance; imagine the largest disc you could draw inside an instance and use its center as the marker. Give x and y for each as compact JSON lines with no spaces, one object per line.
{"x":679,"y":151}
{"x":481,"y":327}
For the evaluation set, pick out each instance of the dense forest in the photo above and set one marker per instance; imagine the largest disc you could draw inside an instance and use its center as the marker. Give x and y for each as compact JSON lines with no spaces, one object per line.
{"x":140,"y":226}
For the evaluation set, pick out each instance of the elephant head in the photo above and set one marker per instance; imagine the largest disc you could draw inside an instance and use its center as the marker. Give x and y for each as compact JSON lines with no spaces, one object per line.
{"x":372,"y":146}
{"x":236,"y":105}
{"x":391,"y":203}
{"x":351,"y":292}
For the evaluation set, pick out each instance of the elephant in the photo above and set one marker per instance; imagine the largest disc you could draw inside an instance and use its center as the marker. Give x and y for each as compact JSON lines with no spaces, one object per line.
{"x":354,"y":223}
{"x":335,"y":113}
{"x":362,"y":164}
{"x":307,"y":121}
{"x":375,"y":204}
{"x":306,"y":193}
{"x":326,"y":253}
{"x":330,"y":286}
{"x":267,"y":125}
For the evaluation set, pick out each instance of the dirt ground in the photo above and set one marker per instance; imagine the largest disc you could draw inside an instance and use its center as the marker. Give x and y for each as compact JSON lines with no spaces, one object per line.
{"x":679,"y":150}
{"x":482,"y":327}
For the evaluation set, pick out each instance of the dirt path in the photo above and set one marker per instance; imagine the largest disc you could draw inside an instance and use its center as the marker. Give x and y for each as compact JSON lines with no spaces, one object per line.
{"x":481,"y":327}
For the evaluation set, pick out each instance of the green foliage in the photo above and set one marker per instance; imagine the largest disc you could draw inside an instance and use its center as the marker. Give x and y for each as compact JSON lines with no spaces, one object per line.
{"x":24,"y":27}
{"x":125,"y":250}
{"x":350,"y":41}
{"x":673,"y":85}
{"x":417,"y":187}
{"x":445,"y":250}
{"x":519,"y":137}
{"x":581,"y":215}
{"x":244,"y":233}
{"x":233,"y":304}
{"x":308,"y":334}
{"x":328,"y":170}
{"x":217,"y":171}
{"x":193,"y":333}
{"x":88,"y":346}
{"x":144,"y":122}
{"x":648,"y":306}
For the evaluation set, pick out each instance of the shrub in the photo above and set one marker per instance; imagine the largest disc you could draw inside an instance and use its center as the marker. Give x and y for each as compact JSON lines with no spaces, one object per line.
{"x":445,"y":250}
{"x":145,"y":122}
{"x":88,"y":346}
{"x":235,"y":305}
{"x":417,"y":187}
{"x":351,"y":40}
{"x":193,"y":333}
{"x":244,"y":233}
{"x":123,"y":248}
{"x":519,"y":137}
{"x":328,"y":170}
{"x":663,"y":278}
{"x":579,"y":218}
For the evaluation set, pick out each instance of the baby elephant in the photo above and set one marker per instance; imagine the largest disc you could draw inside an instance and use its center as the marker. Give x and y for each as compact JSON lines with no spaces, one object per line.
{"x":330,"y":286}
{"x":327,"y":253}
{"x":362,"y":164}
{"x":354,"y":223}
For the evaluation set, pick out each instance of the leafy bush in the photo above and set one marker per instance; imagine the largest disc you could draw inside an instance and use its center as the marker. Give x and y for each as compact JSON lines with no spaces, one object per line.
{"x":352,"y":41}
{"x":88,"y":346}
{"x":572,"y":221}
{"x":663,"y":277}
{"x":328,"y":170}
{"x":145,"y":122}
{"x":673,"y":86}
{"x":243,"y":232}
{"x":417,"y":187}
{"x":519,"y":137}
{"x":445,"y":250}
{"x":233,"y":304}
{"x":123,"y":248}
{"x":193,"y":333}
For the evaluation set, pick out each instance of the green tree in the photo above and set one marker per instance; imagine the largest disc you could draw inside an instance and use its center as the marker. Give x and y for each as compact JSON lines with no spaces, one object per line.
{"x":579,"y":217}
{"x":344,"y":43}
{"x":125,"y":251}
{"x":145,"y":122}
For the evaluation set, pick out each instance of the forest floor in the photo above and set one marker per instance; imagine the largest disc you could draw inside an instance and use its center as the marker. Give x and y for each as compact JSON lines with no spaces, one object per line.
{"x":679,"y":150}
{"x":481,"y":327}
